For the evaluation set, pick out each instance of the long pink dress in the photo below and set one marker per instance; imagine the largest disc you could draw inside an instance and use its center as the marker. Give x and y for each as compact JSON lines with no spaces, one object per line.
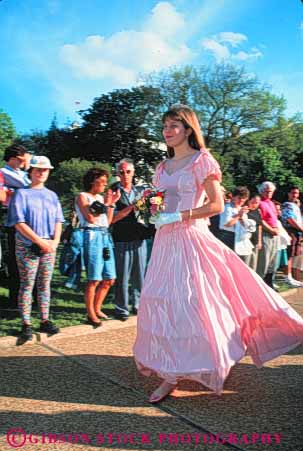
{"x":201,"y":308}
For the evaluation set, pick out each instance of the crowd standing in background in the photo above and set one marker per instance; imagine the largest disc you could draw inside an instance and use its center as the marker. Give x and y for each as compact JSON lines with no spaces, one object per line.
{"x":112,"y":245}
{"x":275,"y":232}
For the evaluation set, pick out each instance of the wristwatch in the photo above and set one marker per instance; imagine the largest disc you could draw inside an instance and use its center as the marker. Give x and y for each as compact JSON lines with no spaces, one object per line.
{"x":111,"y":206}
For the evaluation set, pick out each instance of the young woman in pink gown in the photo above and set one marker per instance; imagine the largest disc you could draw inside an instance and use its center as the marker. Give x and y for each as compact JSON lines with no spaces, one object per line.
{"x":201,"y":309}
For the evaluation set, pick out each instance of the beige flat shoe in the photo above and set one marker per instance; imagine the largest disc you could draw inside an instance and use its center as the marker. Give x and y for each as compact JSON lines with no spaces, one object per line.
{"x":161,"y":392}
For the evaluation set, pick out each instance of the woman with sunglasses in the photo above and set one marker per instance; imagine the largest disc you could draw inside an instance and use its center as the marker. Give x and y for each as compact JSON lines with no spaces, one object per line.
{"x":202,"y":308}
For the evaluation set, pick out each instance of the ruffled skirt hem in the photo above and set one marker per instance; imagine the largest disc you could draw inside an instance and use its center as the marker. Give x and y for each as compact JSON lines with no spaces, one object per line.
{"x":214,"y":380}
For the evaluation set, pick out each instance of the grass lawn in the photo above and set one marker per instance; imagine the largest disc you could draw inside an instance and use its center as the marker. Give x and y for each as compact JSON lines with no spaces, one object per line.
{"x":67,"y":307}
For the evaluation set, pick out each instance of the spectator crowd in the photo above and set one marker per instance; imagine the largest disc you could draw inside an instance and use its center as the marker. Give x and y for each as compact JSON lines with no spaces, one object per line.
{"x":264,"y":233}
{"x":106,"y":238}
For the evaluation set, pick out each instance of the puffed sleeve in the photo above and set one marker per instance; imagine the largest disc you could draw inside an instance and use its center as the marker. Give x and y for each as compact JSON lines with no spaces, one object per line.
{"x":156,"y":177}
{"x":206,"y":166}
{"x":17,"y":209}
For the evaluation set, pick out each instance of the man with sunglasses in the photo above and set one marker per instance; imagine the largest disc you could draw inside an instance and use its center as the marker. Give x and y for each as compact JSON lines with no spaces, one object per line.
{"x":13,"y":176}
{"x":130,"y":244}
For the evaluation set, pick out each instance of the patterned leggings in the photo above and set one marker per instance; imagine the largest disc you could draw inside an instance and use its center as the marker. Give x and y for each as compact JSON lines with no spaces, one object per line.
{"x":32,"y":268}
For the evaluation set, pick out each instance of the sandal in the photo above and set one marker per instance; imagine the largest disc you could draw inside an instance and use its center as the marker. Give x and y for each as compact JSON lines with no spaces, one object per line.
{"x":92,"y":322}
{"x":101,"y":315}
{"x":162,"y":392}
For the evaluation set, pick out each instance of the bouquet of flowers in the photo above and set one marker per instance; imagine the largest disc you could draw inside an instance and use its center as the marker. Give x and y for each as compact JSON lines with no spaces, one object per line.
{"x":149,"y":206}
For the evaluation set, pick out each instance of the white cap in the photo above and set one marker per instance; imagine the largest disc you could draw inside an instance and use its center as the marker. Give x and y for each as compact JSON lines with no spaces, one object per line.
{"x":39,"y":161}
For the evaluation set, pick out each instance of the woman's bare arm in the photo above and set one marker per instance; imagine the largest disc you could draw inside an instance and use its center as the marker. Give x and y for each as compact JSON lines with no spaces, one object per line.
{"x":215,"y":204}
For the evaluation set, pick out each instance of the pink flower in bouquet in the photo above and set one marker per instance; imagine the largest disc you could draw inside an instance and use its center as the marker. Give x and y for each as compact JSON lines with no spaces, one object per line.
{"x":150,"y":205}
{"x":154,"y":209}
{"x":147,"y":192}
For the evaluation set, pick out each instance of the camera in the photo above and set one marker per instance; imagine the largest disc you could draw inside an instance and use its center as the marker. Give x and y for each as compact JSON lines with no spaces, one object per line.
{"x":115,"y":186}
{"x":106,"y":253}
{"x":97,"y":208}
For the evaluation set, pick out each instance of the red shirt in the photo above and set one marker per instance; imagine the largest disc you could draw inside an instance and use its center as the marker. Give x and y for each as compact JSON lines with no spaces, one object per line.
{"x":4,"y":188}
{"x":2,"y":184}
{"x":269,"y":212}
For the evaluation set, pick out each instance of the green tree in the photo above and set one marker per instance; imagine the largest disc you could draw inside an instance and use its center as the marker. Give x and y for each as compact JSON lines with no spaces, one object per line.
{"x":59,"y":143}
{"x":66,"y":179}
{"x":35,"y":141}
{"x":274,"y":153}
{"x":231,"y":105}
{"x":121,"y":124}
{"x":7,"y":132}
{"x":227,"y":100}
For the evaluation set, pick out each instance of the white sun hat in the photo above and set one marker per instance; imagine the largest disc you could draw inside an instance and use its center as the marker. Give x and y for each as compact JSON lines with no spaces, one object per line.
{"x":40,"y":161}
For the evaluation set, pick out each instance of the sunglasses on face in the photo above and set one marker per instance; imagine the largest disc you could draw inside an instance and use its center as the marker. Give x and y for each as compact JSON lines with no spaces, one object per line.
{"x":128,"y":171}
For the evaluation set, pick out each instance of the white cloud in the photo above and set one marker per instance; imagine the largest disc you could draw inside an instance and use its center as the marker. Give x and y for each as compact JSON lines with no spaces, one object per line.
{"x":219,"y":51}
{"x":234,"y":39}
{"x":165,"y":20}
{"x":124,"y":54}
{"x":221,"y":46}
{"x":244,"y":56}
{"x":88,"y":60}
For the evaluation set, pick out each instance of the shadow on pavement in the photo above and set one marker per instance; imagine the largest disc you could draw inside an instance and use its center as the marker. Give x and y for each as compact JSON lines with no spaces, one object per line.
{"x":72,"y":389}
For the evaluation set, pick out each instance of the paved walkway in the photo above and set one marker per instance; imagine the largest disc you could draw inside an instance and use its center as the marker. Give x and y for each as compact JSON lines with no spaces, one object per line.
{"x":80,"y":390}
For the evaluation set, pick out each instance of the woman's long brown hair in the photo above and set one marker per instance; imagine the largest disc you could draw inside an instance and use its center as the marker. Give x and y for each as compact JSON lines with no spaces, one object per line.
{"x":189,"y":119}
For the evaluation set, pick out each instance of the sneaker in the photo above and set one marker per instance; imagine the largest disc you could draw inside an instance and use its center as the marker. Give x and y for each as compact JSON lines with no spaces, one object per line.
{"x":68,"y":285}
{"x":26,"y":332}
{"x":49,"y":328}
{"x":275,"y":286}
{"x":293,"y":282}
{"x":121,"y":317}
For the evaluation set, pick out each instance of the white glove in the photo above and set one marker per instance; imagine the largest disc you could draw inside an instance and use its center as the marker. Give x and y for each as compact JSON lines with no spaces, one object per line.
{"x":168,"y":218}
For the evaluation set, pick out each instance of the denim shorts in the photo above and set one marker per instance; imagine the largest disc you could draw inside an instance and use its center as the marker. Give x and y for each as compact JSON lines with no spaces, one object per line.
{"x":95,"y":240}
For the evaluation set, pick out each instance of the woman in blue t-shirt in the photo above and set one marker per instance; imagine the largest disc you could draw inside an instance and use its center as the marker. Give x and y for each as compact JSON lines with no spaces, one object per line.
{"x":37,"y":216}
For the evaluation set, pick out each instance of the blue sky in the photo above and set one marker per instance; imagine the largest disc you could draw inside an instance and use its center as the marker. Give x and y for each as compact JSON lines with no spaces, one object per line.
{"x":56,"y":56}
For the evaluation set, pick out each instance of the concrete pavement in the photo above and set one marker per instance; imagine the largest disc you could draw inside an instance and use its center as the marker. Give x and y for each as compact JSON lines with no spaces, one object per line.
{"x":80,"y":390}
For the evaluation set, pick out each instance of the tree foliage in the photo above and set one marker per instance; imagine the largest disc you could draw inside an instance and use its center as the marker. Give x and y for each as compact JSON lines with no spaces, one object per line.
{"x":227,"y":100}
{"x":66,"y":179}
{"x":35,"y":141}
{"x":243,"y":122}
{"x":121,"y":124}
{"x":274,"y":154}
{"x":7,"y":132}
